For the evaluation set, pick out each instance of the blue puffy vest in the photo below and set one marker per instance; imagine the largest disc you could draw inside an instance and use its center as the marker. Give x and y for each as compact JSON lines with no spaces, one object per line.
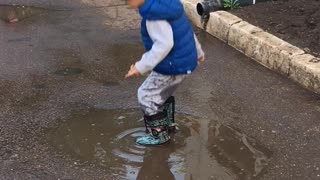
{"x":182,"y":59}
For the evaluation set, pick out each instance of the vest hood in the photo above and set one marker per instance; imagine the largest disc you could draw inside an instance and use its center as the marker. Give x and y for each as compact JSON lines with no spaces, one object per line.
{"x":161,"y":9}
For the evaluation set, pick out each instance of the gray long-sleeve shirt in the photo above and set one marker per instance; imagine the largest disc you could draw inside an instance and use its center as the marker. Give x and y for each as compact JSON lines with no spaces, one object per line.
{"x":161,"y":33}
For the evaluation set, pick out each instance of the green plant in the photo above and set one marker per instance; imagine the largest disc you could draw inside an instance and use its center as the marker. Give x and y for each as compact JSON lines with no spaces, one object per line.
{"x":231,"y":4}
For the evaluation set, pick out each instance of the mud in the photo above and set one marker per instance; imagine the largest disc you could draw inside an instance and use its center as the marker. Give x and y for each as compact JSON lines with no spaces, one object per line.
{"x":106,"y":138}
{"x":295,"y":21}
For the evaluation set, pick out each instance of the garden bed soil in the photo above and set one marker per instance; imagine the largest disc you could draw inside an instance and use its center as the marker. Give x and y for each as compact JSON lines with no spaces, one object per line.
{"x":295,"y":21}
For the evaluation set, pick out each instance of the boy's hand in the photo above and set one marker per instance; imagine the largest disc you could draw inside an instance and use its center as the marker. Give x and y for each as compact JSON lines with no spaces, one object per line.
{"x":201,"y":60}
{"x":133,"y":72}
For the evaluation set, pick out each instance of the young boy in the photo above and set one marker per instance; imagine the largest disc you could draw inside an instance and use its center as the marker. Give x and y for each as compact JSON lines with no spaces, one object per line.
{"x":173,"y":52}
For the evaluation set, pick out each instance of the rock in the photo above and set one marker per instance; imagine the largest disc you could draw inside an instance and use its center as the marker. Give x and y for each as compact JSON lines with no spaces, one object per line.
{"x":220,"y":23}
{"x":305,"y":69}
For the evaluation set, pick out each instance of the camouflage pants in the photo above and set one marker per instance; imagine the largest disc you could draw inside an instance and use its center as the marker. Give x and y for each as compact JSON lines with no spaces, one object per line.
{"x":155,"y":90}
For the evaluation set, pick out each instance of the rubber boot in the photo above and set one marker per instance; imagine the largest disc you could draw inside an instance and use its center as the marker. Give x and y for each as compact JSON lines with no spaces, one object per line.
{"x":169,"y":107}
{"x":158,"y":125}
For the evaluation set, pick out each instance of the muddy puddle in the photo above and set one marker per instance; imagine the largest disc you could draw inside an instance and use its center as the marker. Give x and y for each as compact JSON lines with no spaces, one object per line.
{"x":106,"y":138}
{"x":13,"y":13}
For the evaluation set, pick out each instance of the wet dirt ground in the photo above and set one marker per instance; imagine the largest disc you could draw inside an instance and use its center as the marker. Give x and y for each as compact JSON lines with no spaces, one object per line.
{"x":67,"y":113}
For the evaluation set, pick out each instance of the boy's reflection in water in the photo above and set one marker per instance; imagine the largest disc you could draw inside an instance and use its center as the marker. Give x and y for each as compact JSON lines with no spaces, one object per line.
{"x":155,"y":164}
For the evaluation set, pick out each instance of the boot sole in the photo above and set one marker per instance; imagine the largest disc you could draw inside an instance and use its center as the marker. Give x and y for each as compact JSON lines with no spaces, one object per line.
{"x":150,"y":145}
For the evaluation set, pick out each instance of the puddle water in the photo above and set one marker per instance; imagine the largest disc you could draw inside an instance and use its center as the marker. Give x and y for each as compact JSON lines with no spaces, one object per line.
{"x":12,"y":13}
{"x":106,"y":138}
{"x":241,"y":154}
{"x":68,"y":71}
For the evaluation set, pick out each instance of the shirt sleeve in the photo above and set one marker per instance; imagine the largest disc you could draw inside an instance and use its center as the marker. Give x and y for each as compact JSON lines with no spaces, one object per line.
{"x":160,"y":32}
{"x":198,"y":46}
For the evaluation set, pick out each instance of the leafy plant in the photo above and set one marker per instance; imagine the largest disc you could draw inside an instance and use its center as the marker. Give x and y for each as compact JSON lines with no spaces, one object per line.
{"x":231,"y":4}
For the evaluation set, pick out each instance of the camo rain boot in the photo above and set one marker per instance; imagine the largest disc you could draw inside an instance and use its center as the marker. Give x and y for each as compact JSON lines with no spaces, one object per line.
{"x":158,"y":125}
{"x":169,"y":107}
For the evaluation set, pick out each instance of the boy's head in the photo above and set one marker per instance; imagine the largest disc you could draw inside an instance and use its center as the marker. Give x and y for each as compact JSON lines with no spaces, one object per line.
{"x":136,"y":3}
